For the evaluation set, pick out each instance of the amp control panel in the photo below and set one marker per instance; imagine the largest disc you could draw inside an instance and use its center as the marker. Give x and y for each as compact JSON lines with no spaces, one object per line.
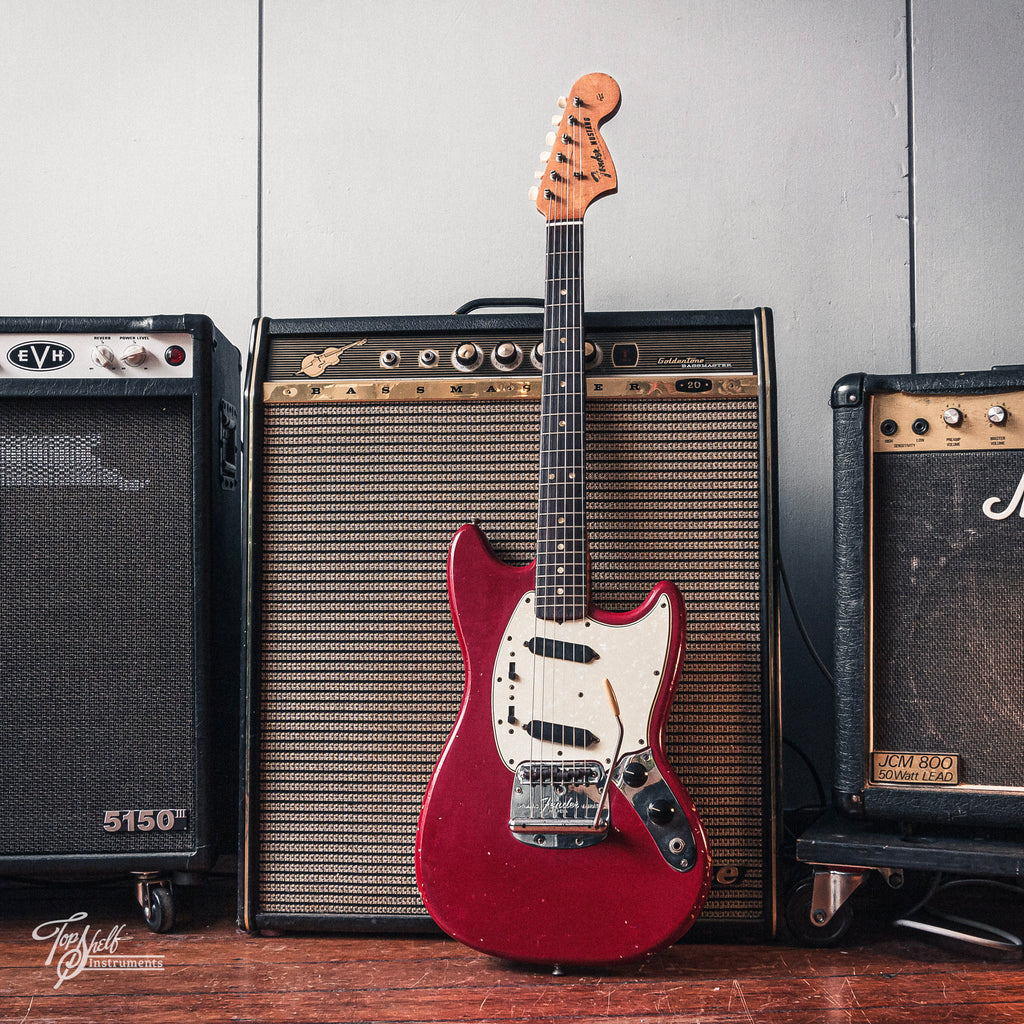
{"x":903,"y":422}
{"x":97,"y":356}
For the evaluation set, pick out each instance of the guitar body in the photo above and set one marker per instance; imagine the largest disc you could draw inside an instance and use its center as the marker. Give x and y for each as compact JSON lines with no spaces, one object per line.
{"x":540,"y":893}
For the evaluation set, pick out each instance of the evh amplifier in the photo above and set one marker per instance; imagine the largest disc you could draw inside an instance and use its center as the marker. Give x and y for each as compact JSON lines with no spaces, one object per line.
{"x":120,"y":601}
{"x":929,"y":548}
{"x":371,"y":441}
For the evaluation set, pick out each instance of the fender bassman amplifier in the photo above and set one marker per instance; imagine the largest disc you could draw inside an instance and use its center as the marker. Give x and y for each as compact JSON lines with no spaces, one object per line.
{"x":119,"y":526}
{"x":929,"y":542}
{"x":372,"y":442}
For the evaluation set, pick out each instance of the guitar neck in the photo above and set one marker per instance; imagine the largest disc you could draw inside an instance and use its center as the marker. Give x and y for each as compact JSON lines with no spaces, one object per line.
{"x":562,"y":578}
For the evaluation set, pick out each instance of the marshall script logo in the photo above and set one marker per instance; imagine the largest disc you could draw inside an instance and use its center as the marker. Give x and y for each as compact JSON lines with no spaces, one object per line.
{"x":1016,"y":502}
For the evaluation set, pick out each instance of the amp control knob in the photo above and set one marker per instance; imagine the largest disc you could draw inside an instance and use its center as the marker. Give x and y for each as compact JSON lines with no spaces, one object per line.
{"x":997,"y":415}
{"x":104,"y":358}
{"x":134,"y":355}
{"x":507,"y":356}
{"x":467,"y":357}
{"x":953,"y":417}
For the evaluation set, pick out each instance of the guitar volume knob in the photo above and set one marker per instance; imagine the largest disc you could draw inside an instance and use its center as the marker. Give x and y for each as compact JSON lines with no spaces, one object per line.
{"x":634,"y":774}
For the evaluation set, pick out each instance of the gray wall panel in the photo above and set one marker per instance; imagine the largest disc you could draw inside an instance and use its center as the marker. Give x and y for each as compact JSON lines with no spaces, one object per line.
{"x":128,"y":173}
{"x":969,"y":161}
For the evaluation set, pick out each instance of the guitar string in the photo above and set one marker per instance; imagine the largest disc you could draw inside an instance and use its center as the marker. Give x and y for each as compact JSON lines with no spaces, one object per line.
{"x":538,"y":713}
{"x":562,"y":525}
{"x":568,"y":427}
{"x":554,"y":244}
{"x":578,"y":415}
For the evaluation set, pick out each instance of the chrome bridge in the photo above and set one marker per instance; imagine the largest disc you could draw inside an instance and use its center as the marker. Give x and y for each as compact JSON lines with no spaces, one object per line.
{"x":562,"y":806}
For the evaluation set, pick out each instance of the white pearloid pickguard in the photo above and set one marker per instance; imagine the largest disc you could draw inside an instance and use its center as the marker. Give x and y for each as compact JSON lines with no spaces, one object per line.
{"x":571,"y":695}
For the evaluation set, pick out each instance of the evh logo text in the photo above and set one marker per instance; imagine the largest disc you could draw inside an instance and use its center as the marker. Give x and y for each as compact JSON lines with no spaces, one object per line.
{"x":40,"y":356}
{"x":1016,"y":502}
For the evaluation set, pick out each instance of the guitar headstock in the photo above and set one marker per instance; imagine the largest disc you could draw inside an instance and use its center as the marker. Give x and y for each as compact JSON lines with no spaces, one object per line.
{"x":579,"y":167}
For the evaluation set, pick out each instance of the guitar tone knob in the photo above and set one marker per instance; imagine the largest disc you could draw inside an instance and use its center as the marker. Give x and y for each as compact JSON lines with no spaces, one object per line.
{"x":661,"y":812}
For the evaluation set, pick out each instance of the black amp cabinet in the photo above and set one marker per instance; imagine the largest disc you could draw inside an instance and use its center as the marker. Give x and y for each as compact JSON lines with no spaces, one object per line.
{"x":120,"y":599}
{"x":929,"y":549}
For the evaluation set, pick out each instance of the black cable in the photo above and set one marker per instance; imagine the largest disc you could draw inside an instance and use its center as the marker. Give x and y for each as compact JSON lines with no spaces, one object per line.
{"x":815,"y":777}
{"x":800,"y":626}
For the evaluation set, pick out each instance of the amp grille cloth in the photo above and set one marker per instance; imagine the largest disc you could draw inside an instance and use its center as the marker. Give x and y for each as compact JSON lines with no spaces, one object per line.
{"x":96,"y":663}
{"x":949,"y":612}
{"x":360,"y":670}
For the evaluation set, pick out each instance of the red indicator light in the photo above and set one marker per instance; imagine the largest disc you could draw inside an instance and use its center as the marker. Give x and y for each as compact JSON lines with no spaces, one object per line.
{"x":175,"y":355}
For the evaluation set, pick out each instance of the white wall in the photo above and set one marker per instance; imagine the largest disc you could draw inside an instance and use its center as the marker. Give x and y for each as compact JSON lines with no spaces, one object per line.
{"x":761,"y":149}
{"x":128,"y":162}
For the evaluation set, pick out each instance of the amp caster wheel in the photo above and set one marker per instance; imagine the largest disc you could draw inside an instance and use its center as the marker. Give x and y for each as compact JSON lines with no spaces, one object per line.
{"x":156,"y":897}
{"x":802,"y":918}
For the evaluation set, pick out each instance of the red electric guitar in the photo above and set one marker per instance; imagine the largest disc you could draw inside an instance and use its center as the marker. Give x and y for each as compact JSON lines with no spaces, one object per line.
{"x":554,"y":829}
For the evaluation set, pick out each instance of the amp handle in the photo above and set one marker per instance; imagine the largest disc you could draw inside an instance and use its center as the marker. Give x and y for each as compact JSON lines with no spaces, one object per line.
{"x":468,"y":307}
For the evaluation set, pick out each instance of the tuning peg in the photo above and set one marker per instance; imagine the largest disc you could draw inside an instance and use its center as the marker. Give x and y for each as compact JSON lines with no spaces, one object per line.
{"x":534,"y":193}
{"x":545,"y":156}
{"x":549,"y":139}
{"x":562,"y":101}
{"x":538,"y":174}
{"x":556,"y":119}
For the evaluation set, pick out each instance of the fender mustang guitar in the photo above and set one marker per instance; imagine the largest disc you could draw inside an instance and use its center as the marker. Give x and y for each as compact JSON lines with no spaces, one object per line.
{"x":554,"y":829}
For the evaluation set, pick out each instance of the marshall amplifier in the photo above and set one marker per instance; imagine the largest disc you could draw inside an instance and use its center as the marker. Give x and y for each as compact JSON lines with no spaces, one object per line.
{"x":371,"y":442}
{"x":929,"y":547}
{"x":120,"y":601}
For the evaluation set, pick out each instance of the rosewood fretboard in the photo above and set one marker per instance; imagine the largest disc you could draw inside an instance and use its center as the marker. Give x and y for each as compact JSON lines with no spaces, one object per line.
{"x":562,"y":588}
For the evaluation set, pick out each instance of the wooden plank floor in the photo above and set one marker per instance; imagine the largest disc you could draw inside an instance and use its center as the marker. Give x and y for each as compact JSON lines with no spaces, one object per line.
{"x":209,"y":971}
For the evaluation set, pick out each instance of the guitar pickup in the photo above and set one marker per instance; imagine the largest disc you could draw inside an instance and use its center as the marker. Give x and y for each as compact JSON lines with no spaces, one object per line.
{"x":544,"y":647}
{"x":564,"y":735}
